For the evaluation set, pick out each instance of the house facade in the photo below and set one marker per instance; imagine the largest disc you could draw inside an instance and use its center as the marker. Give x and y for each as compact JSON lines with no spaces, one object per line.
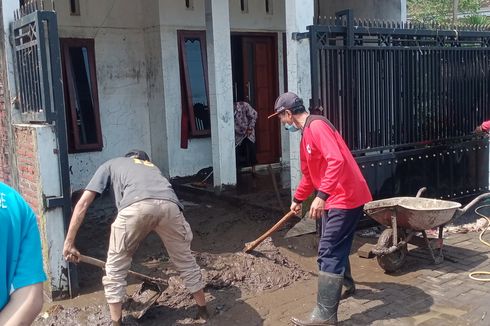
{"x":161,"y":76}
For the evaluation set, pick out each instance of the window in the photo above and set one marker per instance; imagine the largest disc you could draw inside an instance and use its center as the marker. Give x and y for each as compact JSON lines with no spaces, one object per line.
{"x":268,"y":7}
{"x":194,"y":74}
{"x":75,"y":7}
{"x":189,"y":4}
{"x":81,"y":99}
{"x":244,"y":6}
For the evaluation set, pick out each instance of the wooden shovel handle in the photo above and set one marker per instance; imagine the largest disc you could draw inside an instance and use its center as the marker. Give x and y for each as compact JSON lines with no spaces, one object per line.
{"x":99,"y":263}
{"x":251,"y":245}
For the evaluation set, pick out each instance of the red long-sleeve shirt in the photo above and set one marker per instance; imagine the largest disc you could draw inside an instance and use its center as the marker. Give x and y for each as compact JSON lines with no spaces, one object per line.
{"x":485,"y":126}
{"x":329,"y":168}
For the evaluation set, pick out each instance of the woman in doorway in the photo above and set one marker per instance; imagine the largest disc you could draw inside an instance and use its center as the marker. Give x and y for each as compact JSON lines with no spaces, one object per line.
{"x":245,"y":119}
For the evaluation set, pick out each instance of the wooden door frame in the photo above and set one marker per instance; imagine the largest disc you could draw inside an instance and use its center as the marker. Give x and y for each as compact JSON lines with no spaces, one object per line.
{"x":275,"y":72}
{"x":275,"y":58}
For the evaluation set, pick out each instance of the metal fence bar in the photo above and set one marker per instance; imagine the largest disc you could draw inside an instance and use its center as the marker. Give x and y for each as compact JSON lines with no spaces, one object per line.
{"x":31,"y":59}
{"x":386,"y":96}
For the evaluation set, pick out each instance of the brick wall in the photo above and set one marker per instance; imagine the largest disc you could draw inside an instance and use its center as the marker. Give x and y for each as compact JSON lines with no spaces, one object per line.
{"x":27,"y":165}
{"x":4,"y":143}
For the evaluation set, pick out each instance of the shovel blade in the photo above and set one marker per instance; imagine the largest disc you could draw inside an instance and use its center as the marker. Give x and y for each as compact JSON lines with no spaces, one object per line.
{"x":143,"y":299}
{"x":305,"y":226}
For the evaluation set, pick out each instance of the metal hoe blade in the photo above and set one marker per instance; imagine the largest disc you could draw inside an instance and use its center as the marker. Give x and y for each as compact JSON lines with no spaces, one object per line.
{"x":305,"y":226}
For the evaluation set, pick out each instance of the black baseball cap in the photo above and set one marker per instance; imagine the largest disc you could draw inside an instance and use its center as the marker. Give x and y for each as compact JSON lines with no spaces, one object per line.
{"x":287,"y":100}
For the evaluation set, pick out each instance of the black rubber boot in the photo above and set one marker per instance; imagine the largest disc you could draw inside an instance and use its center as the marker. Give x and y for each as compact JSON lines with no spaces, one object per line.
{"x":325,"y":312}
{"x":349,"y":287}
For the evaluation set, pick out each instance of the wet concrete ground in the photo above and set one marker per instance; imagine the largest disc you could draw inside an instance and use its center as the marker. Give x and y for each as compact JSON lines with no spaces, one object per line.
{"x":420,"y":293}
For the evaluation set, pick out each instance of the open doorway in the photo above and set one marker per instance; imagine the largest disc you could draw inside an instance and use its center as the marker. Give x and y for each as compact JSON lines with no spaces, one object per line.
{"x":255,"y":79}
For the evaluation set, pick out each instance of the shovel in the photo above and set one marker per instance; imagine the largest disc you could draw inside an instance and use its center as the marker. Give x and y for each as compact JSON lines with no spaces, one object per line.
{"x":144,"y":297}
{"x":249,"y":246}
{"x":306,"y":225}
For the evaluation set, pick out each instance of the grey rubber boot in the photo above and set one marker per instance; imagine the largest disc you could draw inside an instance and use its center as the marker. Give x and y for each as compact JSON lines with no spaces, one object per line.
{"x":202,"y":313}
{"x":349,"y":287}
{"x":328,"y":297}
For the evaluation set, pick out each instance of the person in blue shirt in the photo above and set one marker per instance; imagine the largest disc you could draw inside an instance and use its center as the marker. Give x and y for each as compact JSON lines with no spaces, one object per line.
{"x":21,"y":262}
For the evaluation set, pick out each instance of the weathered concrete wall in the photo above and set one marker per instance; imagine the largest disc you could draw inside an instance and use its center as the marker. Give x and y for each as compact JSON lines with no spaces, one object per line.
{"x":139,"y":80}
{"x":174,"y":16}
{"x":39,"y":177}
{"x":298,"y":72}
{"x":370,"y":9}
{"x":121,"y":76}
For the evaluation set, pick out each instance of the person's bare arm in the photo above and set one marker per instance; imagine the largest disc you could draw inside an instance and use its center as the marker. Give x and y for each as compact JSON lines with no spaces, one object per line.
{"x":23,"y":307}
{"x":69,"y":251}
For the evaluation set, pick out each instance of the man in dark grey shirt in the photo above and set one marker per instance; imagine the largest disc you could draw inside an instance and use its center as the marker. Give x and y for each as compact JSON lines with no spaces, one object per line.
{"x":145,"y":202}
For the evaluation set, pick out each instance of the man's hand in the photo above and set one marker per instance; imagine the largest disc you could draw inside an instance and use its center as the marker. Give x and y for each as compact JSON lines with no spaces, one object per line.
{"x":478,"y":130}
{"x":317,"y":207}
{"x":296,"y":208}
{"x":71,"y":253}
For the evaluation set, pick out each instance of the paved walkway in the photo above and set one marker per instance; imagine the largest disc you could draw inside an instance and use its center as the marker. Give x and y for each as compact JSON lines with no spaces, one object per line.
{"x":421,"y":293}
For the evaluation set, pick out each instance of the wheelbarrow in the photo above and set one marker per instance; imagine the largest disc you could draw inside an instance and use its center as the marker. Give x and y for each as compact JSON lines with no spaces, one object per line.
{"x":406,"y":217}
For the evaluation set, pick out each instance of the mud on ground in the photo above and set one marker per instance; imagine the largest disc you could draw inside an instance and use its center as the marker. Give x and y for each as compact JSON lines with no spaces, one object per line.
{"x":220,"y":232}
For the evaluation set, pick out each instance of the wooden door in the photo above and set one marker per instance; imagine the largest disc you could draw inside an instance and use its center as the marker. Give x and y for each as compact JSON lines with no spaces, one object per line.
{"x":260,"y":82}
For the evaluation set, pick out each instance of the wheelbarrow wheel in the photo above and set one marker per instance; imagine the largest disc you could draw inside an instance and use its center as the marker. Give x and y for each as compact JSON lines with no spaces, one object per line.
{"x":393,"y":261}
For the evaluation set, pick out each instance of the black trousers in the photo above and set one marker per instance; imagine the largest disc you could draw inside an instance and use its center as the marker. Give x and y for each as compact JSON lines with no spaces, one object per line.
{"x":246,"y":153}
{"x":338,"y":228}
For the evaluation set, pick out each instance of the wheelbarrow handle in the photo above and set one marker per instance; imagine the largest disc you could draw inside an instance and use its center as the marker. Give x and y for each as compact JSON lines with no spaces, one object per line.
{"x":472,"y":203}
{"x":421,"y":191}
{"x":99,"y":263}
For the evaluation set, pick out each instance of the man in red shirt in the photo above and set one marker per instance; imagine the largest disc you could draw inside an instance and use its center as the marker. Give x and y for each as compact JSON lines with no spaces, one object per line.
{"x":329,"y":169}
{"x":484,"y":127}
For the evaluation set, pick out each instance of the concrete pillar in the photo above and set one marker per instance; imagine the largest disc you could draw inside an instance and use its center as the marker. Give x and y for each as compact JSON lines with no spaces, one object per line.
{"x":299,"y":15}
{"x":220,"y":91}
{"x":50,"y":183}
{"x":39,"y":179}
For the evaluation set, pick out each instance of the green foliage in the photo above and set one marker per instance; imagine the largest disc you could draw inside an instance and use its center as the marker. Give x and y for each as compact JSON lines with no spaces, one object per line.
{"x":440,"y":11}
{"x":476,"y":20}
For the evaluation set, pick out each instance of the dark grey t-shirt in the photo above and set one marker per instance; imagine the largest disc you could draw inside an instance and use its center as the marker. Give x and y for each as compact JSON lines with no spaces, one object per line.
{"x":132,"y":180}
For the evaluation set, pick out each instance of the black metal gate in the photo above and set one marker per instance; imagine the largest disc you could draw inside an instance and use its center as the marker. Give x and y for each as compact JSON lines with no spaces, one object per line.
{"x":406,"y":98}
{"x":38,"y":78}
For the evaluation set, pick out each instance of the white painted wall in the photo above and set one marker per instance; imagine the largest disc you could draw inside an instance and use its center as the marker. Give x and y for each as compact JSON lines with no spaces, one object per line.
{"x":298,"y":16}
{"x":285,"y":159}
{"x":174,"y":16}
{"x":220,"y":91}
{"x":139,"y":80}
{"x":257,"y":18}
{"x":117,"y":28}
{"x":371,"y":9}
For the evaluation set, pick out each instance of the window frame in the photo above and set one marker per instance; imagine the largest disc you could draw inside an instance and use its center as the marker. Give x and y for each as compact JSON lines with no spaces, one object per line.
{"x":185,"y":81}
{"x":73,"y":131}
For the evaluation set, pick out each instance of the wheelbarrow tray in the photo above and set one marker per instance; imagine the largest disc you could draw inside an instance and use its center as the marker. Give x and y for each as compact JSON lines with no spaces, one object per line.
{"x":413,"y":213}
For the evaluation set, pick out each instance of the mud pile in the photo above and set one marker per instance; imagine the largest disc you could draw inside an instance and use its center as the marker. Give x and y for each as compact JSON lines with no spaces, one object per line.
{"x":95,"y":315}
{"x":263,"y":269}
{"x":228,"y":276}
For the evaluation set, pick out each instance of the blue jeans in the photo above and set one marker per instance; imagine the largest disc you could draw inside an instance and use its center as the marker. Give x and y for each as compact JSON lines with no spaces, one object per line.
{"x":338,"y":227}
